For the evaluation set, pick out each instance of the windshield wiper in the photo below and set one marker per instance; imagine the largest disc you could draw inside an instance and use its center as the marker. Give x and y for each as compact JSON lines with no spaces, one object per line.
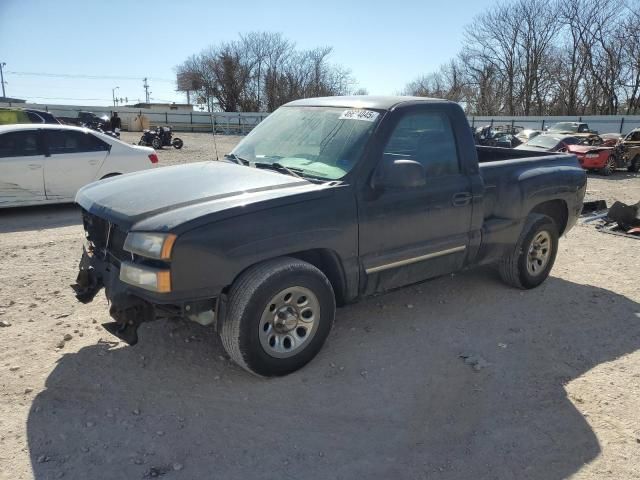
{"x":236,"y":159}
{"x":278,"y":167}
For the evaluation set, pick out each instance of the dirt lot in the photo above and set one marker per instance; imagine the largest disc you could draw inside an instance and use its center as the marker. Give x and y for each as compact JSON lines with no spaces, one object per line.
{"x":555,"y":392}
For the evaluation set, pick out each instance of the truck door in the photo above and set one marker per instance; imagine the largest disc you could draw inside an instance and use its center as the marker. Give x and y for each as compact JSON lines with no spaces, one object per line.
{"x":413,"y":233}
{"x":21,"y":168}
{"x":74,"y":158}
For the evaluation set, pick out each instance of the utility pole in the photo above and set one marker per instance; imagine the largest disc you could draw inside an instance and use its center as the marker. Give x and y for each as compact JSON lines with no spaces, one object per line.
{"x":113,"y":95}
{"x":2,"y":64}
{"x":146,"y":89}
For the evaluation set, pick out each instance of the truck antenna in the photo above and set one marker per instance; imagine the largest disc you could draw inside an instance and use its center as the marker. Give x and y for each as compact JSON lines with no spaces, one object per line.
{"x":213,"y":132}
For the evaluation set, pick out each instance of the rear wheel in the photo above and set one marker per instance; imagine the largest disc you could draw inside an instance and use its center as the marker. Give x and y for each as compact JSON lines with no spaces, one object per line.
{"x":609,"y":167}
{"x":177,"y":143}
{"x":634,"y":166}
{"x":531,"y":260}
{"x":279,"y":315}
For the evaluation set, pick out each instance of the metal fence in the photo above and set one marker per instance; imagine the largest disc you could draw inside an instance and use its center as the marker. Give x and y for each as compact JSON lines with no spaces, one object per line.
{"x":242,"y":123}
{"x":601,"y":123}
{"x":235,"y":123}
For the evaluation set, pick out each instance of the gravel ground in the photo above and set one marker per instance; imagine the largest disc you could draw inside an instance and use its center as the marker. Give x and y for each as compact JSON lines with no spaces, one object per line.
{"x":550,"y":387}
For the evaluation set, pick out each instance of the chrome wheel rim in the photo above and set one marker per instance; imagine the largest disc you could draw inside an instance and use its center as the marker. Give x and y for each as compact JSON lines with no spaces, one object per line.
{"x":289,"y":322}
{"x":611,"y":164}
{"x":539,"y":253}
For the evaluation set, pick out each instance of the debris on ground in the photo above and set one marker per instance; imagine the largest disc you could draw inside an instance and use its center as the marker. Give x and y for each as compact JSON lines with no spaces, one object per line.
{"x":475,"y":361}
{"x":626,"y":216}
{"x":593,"y":206}
{"x":4,"y":323}
{"x":620,"y":219}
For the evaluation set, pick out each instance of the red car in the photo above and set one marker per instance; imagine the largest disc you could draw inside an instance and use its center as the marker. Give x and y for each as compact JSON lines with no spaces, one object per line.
{"x":591,"y":157}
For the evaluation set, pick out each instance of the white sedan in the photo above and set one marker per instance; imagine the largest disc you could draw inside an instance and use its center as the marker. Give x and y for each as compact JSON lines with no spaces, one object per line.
{"x":42,"y":163}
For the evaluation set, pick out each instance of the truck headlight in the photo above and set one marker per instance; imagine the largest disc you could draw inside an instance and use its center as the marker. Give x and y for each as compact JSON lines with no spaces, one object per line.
{"x":150,"y":245}
{"x":145,"y":277}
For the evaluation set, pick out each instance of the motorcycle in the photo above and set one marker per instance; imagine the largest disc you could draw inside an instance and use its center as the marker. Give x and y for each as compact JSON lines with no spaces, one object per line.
{"x":160,"y":137}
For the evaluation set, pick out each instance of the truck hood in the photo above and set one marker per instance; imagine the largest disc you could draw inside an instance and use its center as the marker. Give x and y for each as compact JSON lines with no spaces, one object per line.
{"x":162,"y":199}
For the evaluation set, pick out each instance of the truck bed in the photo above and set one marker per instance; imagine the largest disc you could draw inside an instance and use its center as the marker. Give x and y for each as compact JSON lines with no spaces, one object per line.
{"x":498,"y":154}
{"x":515,"y":179}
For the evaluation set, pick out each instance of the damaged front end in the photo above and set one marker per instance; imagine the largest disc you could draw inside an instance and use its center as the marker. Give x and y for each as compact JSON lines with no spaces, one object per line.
{"x":106,"y":263}
{"x":128,"y":311}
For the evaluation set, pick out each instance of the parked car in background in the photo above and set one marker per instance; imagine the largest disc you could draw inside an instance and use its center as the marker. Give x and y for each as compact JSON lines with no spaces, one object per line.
{"x":505,"y":140}
{"x":549,"y":143}
{"x":570,"y":127}
{"x":328,"y":200}
{"x":9,"y":116}
{"x":89,"y":120}
{"x":629,"y":150}
{"x":610,"y":139}
{"x":49,"y":163}
{"x":497,"y":135}
{"x":527,"y":134}
{"x":595,"y":158}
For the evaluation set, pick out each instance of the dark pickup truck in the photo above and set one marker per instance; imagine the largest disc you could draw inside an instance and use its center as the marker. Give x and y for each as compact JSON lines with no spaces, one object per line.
{"x":326,"y":201}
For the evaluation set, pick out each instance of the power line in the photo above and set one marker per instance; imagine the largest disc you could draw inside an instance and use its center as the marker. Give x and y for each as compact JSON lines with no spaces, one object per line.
{"x":66,"y":98}
{"x":85,"y":77}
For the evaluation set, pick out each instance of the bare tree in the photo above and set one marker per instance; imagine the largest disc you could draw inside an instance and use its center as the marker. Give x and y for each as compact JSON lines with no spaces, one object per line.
{"x":545,"y":57}
{"x":261,"y":71}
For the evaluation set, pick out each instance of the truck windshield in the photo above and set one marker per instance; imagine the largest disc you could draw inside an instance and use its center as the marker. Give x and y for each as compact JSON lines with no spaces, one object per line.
{"x":316,"y":142}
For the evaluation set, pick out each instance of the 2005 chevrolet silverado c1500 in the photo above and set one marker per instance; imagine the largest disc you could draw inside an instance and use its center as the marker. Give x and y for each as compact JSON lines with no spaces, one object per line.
{"x":326,"y":201}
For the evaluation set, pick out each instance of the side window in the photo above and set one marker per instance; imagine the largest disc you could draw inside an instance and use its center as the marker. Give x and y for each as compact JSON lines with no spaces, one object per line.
{"x":70,"y":141}
{"x":571,"y":141}
{"x":426,"y":137}
{"x":19,"y":144}
{"x":634,"y":137}
{"x":582,"y":128}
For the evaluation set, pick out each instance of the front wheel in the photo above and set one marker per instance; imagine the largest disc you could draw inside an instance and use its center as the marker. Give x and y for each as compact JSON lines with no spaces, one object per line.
{"x":528,"y":264}
{"x":156,"y":143}
{"x":177,"y":143}
{"x":609,"y":167}
{"x":279,"y":315}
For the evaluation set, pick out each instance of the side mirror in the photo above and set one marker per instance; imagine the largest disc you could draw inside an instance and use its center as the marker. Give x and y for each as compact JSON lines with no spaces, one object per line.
{"x":399,"y":174}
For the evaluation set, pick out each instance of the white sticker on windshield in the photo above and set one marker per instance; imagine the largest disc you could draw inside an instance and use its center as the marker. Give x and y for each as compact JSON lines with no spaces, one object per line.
{"x":366,"y":115}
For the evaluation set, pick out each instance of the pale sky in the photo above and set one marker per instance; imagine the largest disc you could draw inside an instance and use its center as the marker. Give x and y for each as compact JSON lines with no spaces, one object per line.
{"x":101,"y":45}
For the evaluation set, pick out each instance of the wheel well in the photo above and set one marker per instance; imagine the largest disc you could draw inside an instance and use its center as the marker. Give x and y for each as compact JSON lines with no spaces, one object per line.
{"x":328,"y":262}
{"x":557,"y":210}
{"x":325,"y":260}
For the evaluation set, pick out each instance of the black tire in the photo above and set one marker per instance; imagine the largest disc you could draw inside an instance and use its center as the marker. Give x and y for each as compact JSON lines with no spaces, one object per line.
{"x":513,"y":267}
{"x":634,"y":166}
{"x":249,"y":298}
{"x":609,"y":167}
{"x":156,"y":143}
{"x":177,"y":143}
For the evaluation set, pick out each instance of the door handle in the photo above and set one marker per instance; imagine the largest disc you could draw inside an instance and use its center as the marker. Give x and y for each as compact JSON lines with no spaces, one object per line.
{"x":461,"y":199}
{"x":34,"y":166}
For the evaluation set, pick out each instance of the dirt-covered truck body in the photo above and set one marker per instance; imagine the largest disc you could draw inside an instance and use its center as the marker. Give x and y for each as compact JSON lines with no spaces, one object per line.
{"x":327,"y":201}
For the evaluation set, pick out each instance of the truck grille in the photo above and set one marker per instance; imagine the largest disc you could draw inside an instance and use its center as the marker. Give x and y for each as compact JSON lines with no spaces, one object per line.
{"x":99,"y":231}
